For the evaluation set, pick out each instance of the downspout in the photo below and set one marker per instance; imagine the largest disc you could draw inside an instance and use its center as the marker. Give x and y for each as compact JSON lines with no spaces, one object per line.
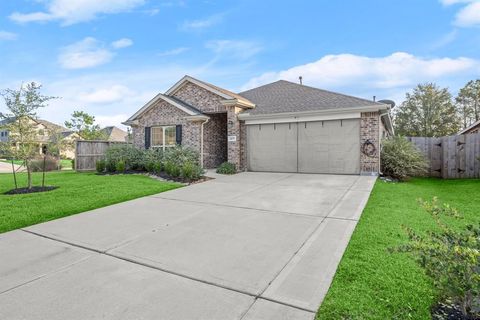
{"x":201,"y":141}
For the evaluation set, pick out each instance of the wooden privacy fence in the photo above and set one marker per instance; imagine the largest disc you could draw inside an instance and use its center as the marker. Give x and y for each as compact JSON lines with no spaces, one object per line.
{"x":452,"y":157}
{"x":87,"y":153}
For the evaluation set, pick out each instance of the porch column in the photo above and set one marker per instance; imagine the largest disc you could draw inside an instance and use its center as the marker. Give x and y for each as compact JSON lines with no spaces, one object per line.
{"x":234,"y":136}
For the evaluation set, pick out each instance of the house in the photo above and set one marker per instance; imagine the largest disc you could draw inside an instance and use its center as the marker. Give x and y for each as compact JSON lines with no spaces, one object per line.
{"x":278,"y":127}
{"x":47,"y":132}
{"x":473,"y":128}
{"x":115,"y":134}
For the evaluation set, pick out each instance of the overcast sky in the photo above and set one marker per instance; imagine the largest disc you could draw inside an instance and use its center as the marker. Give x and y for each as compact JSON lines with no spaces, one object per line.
{"x":109,"y":57}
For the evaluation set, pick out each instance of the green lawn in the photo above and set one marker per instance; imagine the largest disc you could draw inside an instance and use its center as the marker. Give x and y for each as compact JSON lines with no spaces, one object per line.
{"x":372,"y":283}
{"x":77,"y":192}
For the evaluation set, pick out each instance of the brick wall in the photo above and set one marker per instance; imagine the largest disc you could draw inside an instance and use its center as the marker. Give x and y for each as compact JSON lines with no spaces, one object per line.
{"x":215,"y":140}
{"x":199,"y":98}
{"x":163,"y":114}
{"x":370,"y":131}
{"x":233,"y":129}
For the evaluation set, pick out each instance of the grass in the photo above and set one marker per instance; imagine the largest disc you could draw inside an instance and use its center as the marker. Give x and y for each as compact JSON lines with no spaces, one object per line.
{"x":372,"y":283}
{"x":77,"y":192}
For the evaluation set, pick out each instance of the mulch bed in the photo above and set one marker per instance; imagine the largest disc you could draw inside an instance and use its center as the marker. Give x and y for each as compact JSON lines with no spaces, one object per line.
{"x":165,"y":176}
{"x":444,"y":311}
{"x":31,"y":190}
{"x":161,"y":176}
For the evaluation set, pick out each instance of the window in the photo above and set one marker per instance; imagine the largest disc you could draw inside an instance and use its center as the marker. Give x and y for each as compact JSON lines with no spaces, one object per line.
{"x":162,"y":137}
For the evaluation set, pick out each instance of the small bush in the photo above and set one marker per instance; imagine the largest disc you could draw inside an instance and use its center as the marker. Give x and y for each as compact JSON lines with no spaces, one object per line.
{"x":120,"y":166}
{"x":450,"y":257}
{"x":400,"y":159}
{"x":152,"y":158}
{"x":172,"y":169}
{"x":111,"y":165}
{"x":133,"y":158}
{"x":100,"y":166}
{"x":73,"y":164}
{"x":227,"y":168}
{"x":181,"y":155}
{"x":157,"y":167}
{"x":191,"y":171}
{"x":51,"y":164}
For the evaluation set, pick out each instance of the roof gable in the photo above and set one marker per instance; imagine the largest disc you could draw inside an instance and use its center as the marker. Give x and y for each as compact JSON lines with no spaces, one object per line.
{"x":226,"y":94}
{"x":170,"y":100}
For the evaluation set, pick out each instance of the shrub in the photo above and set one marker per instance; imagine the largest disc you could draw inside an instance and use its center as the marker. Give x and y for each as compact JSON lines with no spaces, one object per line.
{"x":172,"y":169}
{"x":100,"y":166}
{"x":120,"y":166}
{"x":450,"y":257}
{"x":151,"y":157}
{"x":181,"y":155}
{"x":133,"y":158}
{"x":73,"y":164}
{"x":111,"y":165}
{"x":51,"y":164}
{"x":400,"y":159}
{"x":227,"y":168}
{"x":157,"y":167}
{"x":191,"y":171}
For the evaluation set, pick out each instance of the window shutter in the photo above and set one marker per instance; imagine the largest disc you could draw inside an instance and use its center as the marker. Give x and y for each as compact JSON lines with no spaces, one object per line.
{"x":178,"y":133}
{"x":147,"y":137}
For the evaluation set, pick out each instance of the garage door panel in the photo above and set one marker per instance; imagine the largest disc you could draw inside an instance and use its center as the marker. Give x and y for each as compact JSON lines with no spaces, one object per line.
{"x":329,"y":147}
{"x":272,"y":147}
{"x":308,"y":147}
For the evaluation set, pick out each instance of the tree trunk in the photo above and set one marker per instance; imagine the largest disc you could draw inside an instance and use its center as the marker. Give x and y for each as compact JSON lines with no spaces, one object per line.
{"x":29,"y":175}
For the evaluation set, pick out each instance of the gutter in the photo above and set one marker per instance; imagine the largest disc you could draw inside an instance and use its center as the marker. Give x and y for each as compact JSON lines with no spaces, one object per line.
{"x":248,"y":116}
{"x":388,"y":122}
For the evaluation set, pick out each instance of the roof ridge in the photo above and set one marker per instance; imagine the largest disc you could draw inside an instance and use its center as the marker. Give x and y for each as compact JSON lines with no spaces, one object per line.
{"x":328,"y":91}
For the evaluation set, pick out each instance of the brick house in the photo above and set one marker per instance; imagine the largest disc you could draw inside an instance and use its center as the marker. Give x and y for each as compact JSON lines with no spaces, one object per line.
{"x":278,"y":127}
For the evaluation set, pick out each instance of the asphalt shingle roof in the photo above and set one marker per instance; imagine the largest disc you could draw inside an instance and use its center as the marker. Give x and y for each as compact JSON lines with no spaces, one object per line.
{"x":284,"y":96}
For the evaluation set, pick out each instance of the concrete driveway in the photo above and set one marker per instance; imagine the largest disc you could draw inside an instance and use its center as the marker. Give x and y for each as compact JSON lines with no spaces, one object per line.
{"x":248,"y":246}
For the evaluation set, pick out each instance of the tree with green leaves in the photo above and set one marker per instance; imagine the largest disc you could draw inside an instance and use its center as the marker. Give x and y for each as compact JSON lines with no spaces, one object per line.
{"x":468,"y":103}
{"x":84,"y":124}
{"x":428,"y":111}
{"x":24,"y":136}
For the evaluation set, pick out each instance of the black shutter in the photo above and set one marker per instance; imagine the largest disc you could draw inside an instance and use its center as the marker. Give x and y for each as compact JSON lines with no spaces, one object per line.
{"x":147,"y":137}
{"x":178,"y":133}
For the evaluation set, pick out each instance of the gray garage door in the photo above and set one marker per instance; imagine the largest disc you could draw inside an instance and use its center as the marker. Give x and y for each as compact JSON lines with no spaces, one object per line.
{"x":307,"y":147}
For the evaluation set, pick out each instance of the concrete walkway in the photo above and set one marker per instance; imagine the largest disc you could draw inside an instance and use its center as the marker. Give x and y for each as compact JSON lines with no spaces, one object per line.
{"x":6,"y":167}
{"x":248,"y":246}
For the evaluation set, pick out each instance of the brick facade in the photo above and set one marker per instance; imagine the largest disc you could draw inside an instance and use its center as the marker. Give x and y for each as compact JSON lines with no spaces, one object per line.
{"x":215,"y":130}
{"x":164,"y":114}
{"x":200,"y":98}
{"x":234,"y":130}
{"x":215,"y":140}
{"x":370,"y":131}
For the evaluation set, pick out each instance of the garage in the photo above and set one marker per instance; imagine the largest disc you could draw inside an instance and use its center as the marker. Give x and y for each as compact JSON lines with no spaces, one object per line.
{"x":331,"y":146}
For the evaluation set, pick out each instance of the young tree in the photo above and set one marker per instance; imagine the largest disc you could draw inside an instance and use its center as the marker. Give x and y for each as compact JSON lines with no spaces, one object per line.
{"x":427,"y":112}
{"x":22,"y":106}
{"x":468,"y":103}
{"x":84,"y":124}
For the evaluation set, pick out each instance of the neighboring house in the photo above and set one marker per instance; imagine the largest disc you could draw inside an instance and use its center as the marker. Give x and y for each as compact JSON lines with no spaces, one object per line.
{"x":473,"y":128}
{"x":278,"y":127}
{"x":115,"y":134}
{"x":46,"y":132}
